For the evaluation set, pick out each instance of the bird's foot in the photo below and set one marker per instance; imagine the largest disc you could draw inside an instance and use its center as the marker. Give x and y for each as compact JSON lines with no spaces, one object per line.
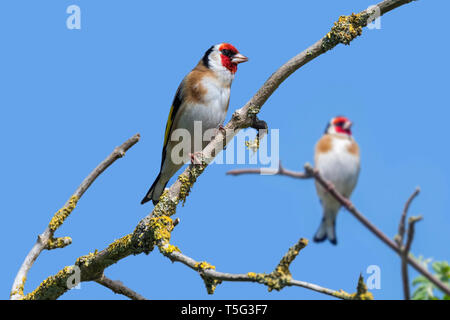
{"x":221,"y":128}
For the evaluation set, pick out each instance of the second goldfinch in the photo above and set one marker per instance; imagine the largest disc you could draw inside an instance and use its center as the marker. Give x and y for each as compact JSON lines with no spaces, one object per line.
{"x":337,"y":159}
{"x":203,"y":95}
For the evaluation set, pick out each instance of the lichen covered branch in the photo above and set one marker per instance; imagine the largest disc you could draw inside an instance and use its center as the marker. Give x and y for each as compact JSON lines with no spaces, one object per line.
{"x":276,"y":280}
{"x":281,"y":171}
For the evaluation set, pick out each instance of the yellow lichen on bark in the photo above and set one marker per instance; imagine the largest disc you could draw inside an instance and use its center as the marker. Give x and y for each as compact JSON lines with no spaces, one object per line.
{"x":57,"y":243}
{"x":52,"y":287}
{"x":204,"y":265}
{"x":188,"y":180}
{"x":61,"y":215}
{"x":281,"y":276}
{"x":361,"y":293}
{"x":344,"y":30}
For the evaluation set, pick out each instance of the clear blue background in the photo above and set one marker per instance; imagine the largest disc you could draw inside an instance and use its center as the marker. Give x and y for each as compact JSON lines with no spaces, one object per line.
{"x":68,"y":97}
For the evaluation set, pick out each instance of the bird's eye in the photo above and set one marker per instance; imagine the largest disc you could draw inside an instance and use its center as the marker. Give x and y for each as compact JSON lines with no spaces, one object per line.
{"x":227,"y":53}
{"x":340,"y":123}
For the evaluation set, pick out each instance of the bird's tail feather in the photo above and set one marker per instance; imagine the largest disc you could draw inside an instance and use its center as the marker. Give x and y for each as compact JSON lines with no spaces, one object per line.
{"x":155,"y":190}
{"x":327,"y":230}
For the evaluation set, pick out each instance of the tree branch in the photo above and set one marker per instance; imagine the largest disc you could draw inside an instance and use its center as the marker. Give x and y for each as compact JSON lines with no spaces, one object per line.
{"x":402,"y":223}
{"x":118,"y":287}
{"x":281,"y":171}
{"x":46,"y":240}
{"x":276,"y":280}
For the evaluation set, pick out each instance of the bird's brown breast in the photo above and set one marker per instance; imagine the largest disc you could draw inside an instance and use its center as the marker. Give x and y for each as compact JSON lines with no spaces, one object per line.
{"x":194,"y":91}
{"x":325,"y":144}
{"x":353,"y":148}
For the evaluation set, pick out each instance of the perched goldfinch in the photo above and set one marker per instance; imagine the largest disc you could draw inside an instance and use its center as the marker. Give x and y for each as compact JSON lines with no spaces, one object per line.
{"x":203,"y":95}
{"x":337,"y":159}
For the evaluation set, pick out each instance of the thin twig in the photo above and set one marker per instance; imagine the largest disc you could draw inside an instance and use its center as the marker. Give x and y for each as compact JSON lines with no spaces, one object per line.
{"x":47,"y":236}
{"x":399,"y":239}
{"x":118,"y":287}
{"x":401,"y":225}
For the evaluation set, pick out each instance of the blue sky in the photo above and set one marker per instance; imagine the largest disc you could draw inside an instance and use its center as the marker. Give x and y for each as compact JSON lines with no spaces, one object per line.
{"x":68,"y":97}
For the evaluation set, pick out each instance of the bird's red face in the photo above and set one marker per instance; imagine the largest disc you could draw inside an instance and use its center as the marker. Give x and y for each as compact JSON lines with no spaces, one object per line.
{"x":341,"y":125}
{"x":230,"y":57}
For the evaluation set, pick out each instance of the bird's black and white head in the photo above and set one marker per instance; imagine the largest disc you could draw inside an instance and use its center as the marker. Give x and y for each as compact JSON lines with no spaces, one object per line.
{"x":339,"y":125}
{"x":223,"y":58}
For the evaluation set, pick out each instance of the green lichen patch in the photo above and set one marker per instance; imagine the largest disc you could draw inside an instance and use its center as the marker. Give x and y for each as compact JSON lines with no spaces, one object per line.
{"x":57,"y":243}
{"x":210,"y":284}
{"x":281,"y":276}
{"x":161,"y":227}
{"x":52,"y":287}
{"x":20,"y":288}
{"x":283,"y":266}
{"x":85,"y":261}
{"x":155,"y":230}
{"x":361,"y":293}
{"x":61,"y":215}
{"x":93,"y":264}
{"x":253,"y":145}
{"x":203,"y":265}
{"x":188,"y":180}
{"x":121,"y":247}
{"x":274,"y":280}
{"x":344,"y":30}
{"x":166,"y":206}
{"x":341,"y":294}
{"x":253,"y":110}
{"x":168,"y":249}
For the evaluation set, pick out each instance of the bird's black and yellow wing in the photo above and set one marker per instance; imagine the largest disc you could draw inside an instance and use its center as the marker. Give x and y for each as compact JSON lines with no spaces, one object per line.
{"x":174,"y":109}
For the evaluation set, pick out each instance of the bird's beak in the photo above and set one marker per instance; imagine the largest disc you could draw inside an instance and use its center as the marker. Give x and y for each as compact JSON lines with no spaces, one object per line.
{"x":347,"y":125}
{"x":239,"y":58}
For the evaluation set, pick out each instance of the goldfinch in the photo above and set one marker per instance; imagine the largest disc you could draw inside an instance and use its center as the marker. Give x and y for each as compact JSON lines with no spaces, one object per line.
{"x":337,"y":159}
{"x":203,"y":95}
